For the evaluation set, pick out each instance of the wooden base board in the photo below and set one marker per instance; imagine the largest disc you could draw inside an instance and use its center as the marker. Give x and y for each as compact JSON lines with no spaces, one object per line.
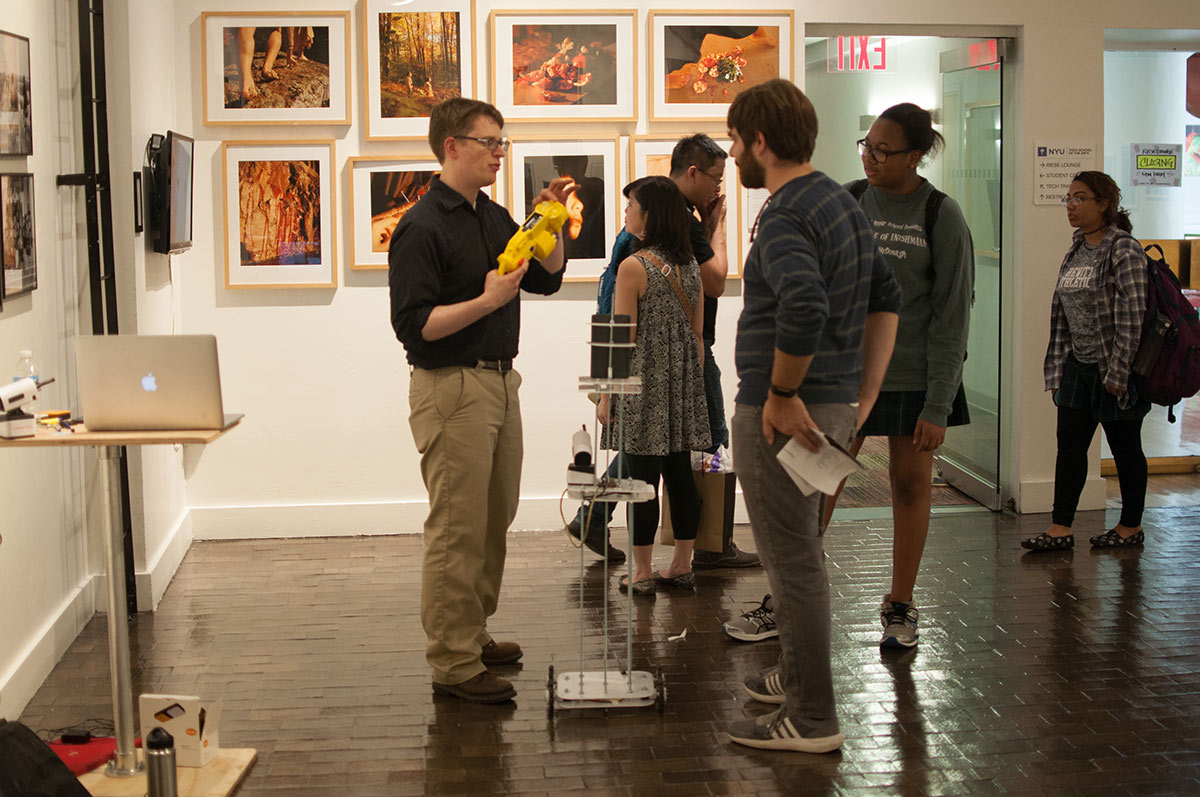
{"x":1157,"y":465}
{"x":218,"y":778}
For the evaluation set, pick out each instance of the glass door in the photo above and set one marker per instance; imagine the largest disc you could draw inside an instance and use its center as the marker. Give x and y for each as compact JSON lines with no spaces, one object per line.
{"x":969,"y":460}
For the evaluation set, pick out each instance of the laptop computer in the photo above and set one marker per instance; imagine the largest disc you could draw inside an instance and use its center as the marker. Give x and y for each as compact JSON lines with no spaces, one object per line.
{"x":150,"y":382}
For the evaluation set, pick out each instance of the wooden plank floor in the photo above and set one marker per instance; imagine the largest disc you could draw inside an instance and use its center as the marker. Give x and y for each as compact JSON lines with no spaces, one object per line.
{"x":1063,"y":673}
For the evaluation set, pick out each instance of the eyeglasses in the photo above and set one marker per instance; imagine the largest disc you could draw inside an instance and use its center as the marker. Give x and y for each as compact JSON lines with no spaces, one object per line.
{"x":716,"y":178}
{"x":877,"y":155}
{"x":1071,"y":200}
{"x":490,"y":144}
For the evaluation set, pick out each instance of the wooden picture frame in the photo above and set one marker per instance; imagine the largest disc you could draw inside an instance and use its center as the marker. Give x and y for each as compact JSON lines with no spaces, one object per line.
{"x":18,"y":252}
{"x":652,"y":155}
{"x":587,"y":75}
{"x":278,"y":207}
{"x":533,"y":163}
{"x":303,"y":77}
{"x":381,"y":190}
{"x":396,"y":106}
{"x":700,"y":60}
{"x":16,"y":95}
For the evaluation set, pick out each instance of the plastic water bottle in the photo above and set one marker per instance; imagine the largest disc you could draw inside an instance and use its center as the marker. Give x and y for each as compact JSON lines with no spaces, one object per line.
{"x":26,"y":369}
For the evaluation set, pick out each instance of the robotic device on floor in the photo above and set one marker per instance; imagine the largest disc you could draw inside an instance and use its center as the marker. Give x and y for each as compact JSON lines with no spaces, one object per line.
{"x":622,"y":687}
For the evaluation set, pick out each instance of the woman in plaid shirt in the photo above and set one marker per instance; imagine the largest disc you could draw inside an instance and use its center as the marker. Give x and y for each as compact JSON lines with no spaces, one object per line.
{"x":1095,"y":326}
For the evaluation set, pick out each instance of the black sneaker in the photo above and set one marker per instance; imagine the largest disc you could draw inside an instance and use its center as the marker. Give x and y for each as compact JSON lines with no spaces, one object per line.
{"x":595,"y":544}
{"x":730,"y":557}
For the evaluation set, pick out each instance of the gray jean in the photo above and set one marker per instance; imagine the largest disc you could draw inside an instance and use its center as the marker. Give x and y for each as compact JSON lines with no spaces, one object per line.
{"x":788,"y":534}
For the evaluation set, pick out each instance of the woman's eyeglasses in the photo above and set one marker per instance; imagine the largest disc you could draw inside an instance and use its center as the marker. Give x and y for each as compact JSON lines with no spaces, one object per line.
{"x":1071,"y":200}
{"x":877,"y":155}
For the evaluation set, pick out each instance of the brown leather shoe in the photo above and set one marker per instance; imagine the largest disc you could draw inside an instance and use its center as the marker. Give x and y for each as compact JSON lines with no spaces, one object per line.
{"x":483,"y":688}
{"x":494,"y":653}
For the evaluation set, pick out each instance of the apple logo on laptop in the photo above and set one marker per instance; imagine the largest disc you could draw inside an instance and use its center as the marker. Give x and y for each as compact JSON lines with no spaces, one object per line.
{"x":149,"y":384}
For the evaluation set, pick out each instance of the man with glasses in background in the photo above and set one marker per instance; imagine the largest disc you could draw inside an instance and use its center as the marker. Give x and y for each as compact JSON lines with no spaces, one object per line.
{"x":698,"y":168}
{"x":459,"y":320}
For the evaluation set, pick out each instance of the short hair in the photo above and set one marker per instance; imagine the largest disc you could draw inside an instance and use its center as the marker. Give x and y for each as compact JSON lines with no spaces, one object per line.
{"x":668,"y":222}
{"x":1106,"y":190}
{"x":454,"y":117}
{"x":699,"y":151}
{"x":917,"y":125}
{"x":784,"y":116}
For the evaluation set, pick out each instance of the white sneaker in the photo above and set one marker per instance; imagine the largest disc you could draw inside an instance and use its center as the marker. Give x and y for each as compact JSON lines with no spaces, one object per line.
{"x":767,"y":687}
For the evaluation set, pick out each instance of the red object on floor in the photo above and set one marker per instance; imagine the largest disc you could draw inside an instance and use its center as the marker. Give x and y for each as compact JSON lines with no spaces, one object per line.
{"x":1193,"y":296}
{"x":81,"y":758}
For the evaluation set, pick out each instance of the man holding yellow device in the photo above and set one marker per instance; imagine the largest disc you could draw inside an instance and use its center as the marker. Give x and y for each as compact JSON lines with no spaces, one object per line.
{"x":458,"y":316}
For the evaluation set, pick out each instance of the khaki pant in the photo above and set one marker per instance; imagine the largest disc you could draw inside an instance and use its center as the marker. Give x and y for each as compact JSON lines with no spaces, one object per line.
{"x":466,"y":423}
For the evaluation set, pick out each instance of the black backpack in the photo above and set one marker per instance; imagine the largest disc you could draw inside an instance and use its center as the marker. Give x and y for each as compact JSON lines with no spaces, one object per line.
{"x":1166,"y":368}
{"x":932,"y":205}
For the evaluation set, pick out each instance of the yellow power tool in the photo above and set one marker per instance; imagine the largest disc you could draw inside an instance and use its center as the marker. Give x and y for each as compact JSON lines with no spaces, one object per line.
{"x":535,"y":240}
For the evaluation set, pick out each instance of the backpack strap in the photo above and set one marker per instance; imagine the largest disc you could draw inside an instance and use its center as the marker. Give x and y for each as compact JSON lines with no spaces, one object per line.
{"x":932,"y":206}
{"x":672,"y":277}
{"x":857,"y":189}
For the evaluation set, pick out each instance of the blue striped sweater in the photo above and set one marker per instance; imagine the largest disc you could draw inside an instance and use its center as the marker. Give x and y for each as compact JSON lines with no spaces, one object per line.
{"x":810,"y":278}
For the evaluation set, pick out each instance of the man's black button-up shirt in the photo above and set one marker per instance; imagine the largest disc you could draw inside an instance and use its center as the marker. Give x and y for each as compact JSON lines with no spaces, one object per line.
{"x":440,"y":254}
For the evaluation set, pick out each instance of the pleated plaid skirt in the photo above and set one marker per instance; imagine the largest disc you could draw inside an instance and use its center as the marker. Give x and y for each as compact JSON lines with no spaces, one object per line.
{"x":896,"y":412}
{"x":1082,"y":389}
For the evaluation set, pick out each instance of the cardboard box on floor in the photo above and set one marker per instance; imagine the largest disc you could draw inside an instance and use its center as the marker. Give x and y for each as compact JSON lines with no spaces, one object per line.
{"x":191,"y":723}
{"x":717,"y":495}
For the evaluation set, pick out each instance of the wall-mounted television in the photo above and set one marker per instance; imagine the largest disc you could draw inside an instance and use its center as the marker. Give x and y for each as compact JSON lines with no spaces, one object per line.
{"x":170,"y":201}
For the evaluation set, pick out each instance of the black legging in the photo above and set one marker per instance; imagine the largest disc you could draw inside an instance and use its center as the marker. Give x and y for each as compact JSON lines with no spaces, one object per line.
{"x":676,"y":472}
{"x":1076,"y":428}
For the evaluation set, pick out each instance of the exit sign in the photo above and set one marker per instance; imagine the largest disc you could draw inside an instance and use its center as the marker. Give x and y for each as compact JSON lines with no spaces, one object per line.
{"x":857,"y":54}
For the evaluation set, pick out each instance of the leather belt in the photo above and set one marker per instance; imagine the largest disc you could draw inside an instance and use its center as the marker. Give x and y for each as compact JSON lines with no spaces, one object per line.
{"x":502,"y":366}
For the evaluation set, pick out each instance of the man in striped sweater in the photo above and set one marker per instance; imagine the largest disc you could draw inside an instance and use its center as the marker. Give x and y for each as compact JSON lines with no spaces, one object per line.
{"x":819,"y":317}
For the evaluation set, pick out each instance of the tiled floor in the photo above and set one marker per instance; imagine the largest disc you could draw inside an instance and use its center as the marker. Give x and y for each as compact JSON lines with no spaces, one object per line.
{"x":1059,"y":673}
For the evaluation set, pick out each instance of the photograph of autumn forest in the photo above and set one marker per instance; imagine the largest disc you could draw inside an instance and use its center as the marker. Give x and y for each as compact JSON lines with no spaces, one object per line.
{"x":419,"y":62}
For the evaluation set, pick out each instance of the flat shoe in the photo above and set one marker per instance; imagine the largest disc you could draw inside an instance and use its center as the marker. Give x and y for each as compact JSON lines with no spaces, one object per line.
{"x":681,"y":581}
{"x":1111,"y":539}
{"x":1045,"y":542}
{"x":644,"y":586}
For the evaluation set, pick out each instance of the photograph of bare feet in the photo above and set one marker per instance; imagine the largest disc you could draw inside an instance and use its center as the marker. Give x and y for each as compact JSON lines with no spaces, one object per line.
{"x":276,"y":67}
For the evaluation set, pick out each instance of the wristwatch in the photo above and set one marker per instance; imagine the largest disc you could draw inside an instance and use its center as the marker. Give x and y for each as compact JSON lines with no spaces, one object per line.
{"x":778,"y":391}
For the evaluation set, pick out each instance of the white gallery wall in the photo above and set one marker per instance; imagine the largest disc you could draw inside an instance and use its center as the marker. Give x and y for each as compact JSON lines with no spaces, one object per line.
{"x":325,"y":448}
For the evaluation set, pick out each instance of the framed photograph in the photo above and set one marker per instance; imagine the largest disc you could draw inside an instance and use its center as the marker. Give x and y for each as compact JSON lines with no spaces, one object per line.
{"x":278,"y":67}
{"x":382,"y":190}
{"x":415,"y":55}
{"x":17,"y":252}
{"x":700,"y":60}
{"x":594,"y":212}
{"x":750,"y":203}
{"x":16,"y":116}
{"x":565,"y":65}
{"x":278,"y":209}
{"x":649,"y":155}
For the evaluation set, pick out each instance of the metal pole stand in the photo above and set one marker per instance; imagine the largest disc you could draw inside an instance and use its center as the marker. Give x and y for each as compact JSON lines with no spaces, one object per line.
{"x":595,"y":688}
{"x":124,"y":763}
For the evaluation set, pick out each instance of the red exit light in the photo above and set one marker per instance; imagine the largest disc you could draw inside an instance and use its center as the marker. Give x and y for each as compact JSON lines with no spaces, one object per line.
{"x":856,"y":54}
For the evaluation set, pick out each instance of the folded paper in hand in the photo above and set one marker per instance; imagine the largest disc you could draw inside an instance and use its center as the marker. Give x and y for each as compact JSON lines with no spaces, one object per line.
{"x":817,"y":470}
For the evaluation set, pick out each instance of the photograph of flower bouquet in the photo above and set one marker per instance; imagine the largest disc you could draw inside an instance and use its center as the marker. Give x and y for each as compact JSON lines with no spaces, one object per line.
{"x":565,"y":65}
{"x":701,"y":63}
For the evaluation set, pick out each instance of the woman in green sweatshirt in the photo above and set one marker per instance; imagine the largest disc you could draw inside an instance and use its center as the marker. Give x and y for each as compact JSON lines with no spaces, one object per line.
{"x":922,"y":234}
